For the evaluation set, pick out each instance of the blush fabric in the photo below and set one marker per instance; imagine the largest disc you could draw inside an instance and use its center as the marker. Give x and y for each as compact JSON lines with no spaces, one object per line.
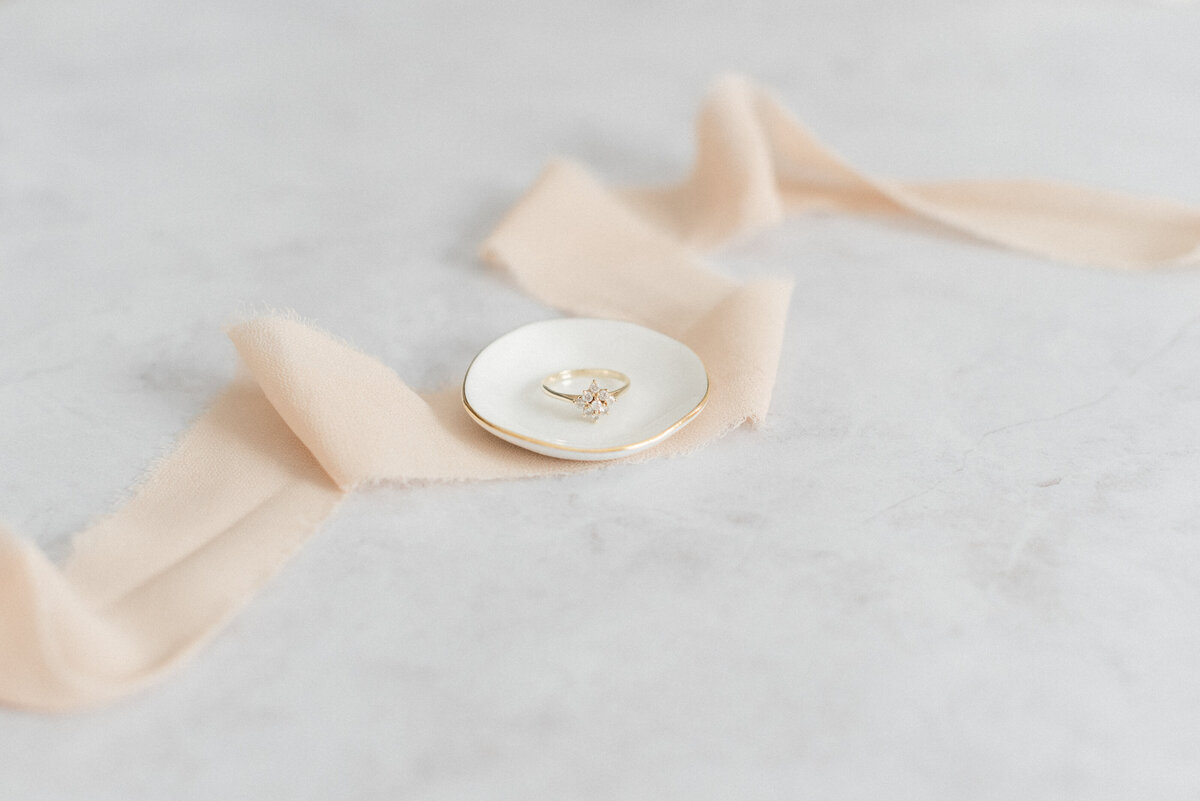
{"x":310,"y":419}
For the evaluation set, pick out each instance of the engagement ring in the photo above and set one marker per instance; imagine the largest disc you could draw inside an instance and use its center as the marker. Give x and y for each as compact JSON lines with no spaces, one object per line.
{"x":594,"y":400}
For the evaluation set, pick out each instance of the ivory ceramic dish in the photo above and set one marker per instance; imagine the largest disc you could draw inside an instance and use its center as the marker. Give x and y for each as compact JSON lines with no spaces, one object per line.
{"x":502,"y":390}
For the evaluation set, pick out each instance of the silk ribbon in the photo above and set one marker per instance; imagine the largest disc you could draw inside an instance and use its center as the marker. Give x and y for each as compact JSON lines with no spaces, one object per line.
{"x":309,"y":419}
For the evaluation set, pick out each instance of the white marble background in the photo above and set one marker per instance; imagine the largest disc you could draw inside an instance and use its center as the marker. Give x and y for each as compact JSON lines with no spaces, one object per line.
{"x":960,"y":561}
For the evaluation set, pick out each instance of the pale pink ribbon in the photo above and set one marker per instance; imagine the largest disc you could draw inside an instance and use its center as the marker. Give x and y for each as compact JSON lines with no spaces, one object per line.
{"x":309,"y":418}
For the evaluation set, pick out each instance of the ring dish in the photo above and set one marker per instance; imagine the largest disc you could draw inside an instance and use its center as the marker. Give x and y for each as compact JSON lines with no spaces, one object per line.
{"x":504,"y":392}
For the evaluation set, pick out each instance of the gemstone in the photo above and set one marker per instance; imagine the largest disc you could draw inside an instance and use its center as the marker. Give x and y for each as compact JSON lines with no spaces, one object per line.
{"x":594,"y":401}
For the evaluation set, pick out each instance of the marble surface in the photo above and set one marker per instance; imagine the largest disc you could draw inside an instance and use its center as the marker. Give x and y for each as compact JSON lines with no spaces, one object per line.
{"x":960,"y":560}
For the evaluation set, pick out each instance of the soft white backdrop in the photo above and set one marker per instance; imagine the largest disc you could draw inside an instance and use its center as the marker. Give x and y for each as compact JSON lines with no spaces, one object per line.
{"x":961,"y":559}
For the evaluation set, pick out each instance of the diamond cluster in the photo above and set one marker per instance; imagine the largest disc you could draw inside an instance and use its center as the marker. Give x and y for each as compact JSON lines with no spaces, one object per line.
{"x":595,"y":401}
